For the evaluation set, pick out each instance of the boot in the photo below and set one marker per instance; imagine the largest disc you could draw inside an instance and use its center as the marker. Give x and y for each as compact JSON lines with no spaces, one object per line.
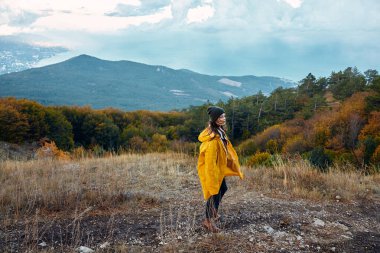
{"x":207,"y":224}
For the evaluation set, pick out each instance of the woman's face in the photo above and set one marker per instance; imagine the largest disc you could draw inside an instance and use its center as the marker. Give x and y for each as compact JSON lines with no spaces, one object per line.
{"x":221,"y":121}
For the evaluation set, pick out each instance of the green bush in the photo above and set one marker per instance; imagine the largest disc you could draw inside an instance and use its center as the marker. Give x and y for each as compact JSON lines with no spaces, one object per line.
{"x":320,"y":159}
{"x":370,"y":145}
{"x":247,"y":147}
{"x":260,"y":158}
{"x":272,"y":146}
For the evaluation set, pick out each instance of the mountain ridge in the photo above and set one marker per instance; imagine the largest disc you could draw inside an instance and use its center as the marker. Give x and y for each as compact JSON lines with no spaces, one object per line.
{"x":128,"y":85}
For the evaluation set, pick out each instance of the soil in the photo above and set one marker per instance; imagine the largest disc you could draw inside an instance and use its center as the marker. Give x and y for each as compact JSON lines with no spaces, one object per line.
{"x":250,"y":222}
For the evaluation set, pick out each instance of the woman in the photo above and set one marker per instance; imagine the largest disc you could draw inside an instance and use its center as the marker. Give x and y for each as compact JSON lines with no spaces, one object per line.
{"x":217,"y":159}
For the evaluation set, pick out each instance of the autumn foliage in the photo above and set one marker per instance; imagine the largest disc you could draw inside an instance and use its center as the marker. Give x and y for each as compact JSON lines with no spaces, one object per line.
{"x":336,"y":117}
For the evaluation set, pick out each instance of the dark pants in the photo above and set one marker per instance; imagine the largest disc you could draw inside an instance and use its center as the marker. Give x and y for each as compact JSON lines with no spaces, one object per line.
{"x":212,"y":203}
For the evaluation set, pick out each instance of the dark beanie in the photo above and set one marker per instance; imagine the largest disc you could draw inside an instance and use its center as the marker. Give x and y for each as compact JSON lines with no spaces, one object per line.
{"x":214,"y":112}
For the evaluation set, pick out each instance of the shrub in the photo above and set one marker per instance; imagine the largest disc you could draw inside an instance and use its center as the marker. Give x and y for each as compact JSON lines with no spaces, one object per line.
{"x":49,"y":149}
{"x":138,"y":144}
{"x":320,"y":159}
{"x":370,"y":146}
{"x":294,"y":145}
{"x":376,"y":156}
{"x":159,"y":142}
{"x":98,"y":150}
{"x":247,"y":147}
{"x":260,"y":158}
{"x":272,"y":146}
{"x":268,"y":134}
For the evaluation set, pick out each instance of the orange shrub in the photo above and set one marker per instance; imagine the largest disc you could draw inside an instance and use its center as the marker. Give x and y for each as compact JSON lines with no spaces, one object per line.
{"x":50,"y":150}
{"x":372,"y":127}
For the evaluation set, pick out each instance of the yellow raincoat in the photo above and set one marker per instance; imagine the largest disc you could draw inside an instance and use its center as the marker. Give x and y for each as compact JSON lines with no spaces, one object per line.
{"x":212,"y":162}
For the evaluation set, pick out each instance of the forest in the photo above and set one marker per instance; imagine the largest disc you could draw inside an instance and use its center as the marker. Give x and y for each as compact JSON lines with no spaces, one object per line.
{"x":327,"y":120}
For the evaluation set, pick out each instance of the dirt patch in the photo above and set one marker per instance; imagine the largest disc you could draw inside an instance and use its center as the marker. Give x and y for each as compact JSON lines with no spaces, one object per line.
{"x":249,"y":223}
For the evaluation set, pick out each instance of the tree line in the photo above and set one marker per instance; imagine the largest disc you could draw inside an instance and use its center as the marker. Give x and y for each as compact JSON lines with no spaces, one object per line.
{"x":336,"y":115}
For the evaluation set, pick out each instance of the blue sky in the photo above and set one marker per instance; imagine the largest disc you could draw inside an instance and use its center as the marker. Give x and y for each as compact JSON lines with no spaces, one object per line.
{"x":284,"y":38}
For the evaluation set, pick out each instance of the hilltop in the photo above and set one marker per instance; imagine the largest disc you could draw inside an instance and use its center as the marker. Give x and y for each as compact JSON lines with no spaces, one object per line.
{"x":127,"y":85}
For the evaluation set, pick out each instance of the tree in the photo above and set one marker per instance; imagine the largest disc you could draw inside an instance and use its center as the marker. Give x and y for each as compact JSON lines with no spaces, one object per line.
{"x":35,"y":114}
{"x":14,"y":125}
{"x":308,"y":85}
{"x":370,"y":75}
{"x":344,"y":84}
{"x":59,"y":129}
{"x":76,"y":115}
{"x":373,"y":101}
{"x":99,"y":129}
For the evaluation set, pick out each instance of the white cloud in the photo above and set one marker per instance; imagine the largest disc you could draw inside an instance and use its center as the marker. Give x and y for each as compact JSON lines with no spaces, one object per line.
{"x":224,"y":37}
{"x":87,"y":18}
{"x":75,"y":6}
{"x":293,"y":3}
{"x":6,"y":30}
{"x":228,"y":94}
{"x":98,"y":23}
{"x":200,"y":14}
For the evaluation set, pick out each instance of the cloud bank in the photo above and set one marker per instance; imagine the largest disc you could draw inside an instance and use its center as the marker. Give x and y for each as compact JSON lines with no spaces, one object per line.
{"x":287,"y":38}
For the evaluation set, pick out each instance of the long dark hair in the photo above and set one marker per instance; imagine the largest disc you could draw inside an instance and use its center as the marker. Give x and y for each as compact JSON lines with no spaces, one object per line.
{"x":213,"y":127}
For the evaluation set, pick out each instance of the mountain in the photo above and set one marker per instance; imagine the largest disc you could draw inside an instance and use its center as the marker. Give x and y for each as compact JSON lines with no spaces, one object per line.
{"x":17,"y":56}
{"x":86,"y":80}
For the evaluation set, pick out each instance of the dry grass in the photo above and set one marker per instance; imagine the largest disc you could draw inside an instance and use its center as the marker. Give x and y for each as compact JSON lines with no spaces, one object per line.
{"x":299,"y":179}
{"x":33,"y":190}
{"x":52,"y":185}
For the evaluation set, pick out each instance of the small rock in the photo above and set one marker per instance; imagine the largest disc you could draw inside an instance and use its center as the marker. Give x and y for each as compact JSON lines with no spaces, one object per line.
{"x":346,"y":237}
{"x":333,"y":249}
{"x":337,"y":197}
{"x":179,"y":237}
{"x":318,"y":248}
{"x":341,"y":226}
{"x":43,"y":244}
{"x":105,"y":245}
{"x":262,"y":195}
{"x":318,"y":222}
{"x":83,"y":249}
{"x":269,"y":229}
{"x":280,"y":234}
{"x":299,"y":238}
{"x":251,"y":239}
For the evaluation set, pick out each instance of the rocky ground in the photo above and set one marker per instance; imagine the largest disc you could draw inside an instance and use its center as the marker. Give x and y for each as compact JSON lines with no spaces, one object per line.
{"x":170,"y":222}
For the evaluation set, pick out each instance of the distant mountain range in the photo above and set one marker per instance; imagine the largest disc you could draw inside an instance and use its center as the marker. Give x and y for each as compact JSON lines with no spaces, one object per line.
{"x":17,"y":56}
{"x":86,"y":80}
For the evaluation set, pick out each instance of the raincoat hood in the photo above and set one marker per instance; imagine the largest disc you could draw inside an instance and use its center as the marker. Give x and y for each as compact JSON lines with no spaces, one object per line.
{"x":207,"y":135}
